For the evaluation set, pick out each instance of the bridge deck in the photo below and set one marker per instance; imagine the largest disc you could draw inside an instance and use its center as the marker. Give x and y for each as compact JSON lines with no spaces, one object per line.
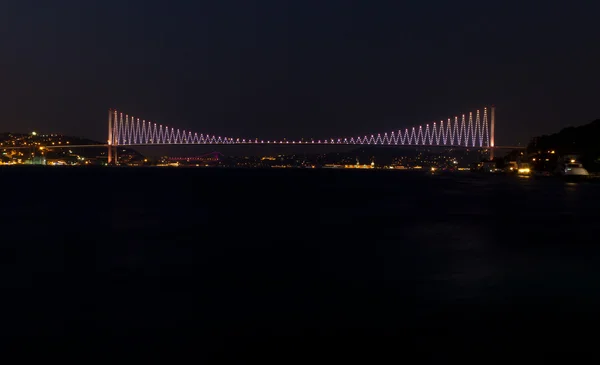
{"x":263,"y":144}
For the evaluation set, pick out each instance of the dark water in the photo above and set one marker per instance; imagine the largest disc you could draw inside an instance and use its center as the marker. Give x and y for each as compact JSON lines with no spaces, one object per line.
{"x":230,"y":260}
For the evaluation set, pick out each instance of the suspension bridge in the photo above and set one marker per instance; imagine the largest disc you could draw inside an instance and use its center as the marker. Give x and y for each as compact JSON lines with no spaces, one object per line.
{"x":473,"y":130}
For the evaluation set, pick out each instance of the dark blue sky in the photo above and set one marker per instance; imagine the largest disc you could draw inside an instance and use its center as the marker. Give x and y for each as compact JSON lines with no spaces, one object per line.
{"x":276,"y":68}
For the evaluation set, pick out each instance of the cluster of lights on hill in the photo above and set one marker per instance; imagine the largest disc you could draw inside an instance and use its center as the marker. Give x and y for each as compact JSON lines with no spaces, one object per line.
{"x":125,"y":130}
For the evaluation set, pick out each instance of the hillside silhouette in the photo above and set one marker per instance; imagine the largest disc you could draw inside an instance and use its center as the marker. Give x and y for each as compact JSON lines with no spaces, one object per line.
{"x":583,"y":140}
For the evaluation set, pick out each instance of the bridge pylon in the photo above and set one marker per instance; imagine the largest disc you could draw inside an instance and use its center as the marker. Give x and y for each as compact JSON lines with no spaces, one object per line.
{"x":492,"y":130}
{"x":110,"y":131}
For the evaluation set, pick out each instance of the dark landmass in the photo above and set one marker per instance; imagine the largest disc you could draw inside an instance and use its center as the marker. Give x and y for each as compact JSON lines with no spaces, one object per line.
{"x":582,"y":141}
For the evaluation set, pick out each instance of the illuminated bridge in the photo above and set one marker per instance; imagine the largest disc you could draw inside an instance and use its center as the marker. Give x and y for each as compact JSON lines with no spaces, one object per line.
{"x":472,"y":130}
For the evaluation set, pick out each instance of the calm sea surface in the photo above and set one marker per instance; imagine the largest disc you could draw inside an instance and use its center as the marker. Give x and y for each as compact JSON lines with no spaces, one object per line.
{"x":339,"y":259}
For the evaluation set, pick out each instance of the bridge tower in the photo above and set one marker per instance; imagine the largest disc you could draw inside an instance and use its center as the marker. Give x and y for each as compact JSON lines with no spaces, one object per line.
{"x":492,"y":128}
{"x":110,"y":131}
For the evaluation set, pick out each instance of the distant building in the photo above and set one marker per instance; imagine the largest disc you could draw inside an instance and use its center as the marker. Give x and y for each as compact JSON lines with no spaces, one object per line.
{"x":36,"y":160}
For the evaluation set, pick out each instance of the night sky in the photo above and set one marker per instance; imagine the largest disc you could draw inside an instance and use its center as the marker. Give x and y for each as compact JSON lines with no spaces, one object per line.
{"x":276,"y":68}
